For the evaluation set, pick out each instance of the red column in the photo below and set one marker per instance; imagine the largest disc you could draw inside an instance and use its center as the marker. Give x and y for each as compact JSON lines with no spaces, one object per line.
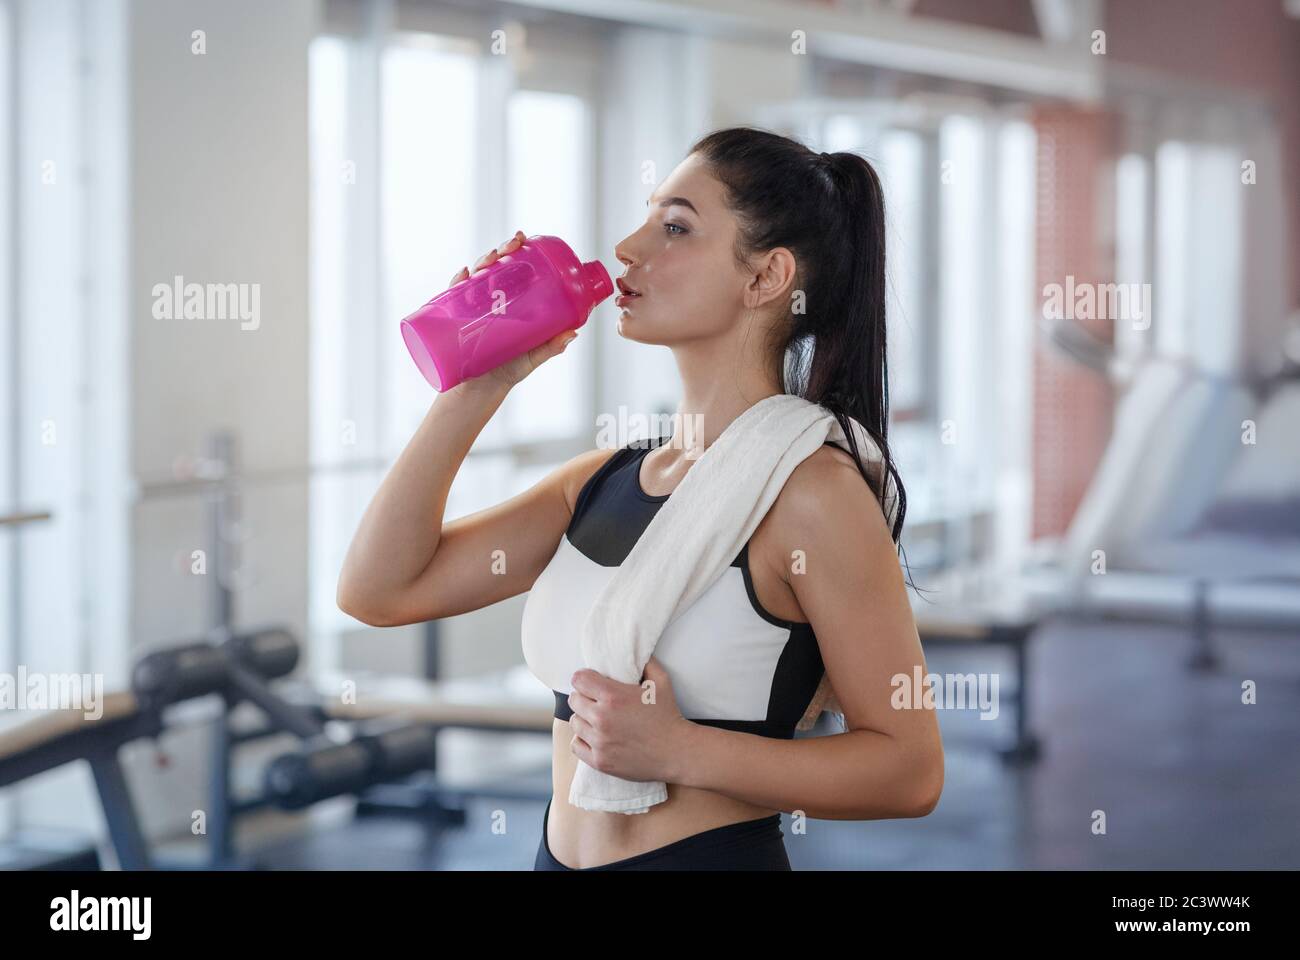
{"x":1072,"y":404}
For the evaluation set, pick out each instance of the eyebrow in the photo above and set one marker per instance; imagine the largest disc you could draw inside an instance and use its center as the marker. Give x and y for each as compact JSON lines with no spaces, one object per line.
{"x":682,"y":201}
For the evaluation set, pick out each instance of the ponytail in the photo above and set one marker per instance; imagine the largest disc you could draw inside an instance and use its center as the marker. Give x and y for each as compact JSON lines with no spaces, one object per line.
{"x":829,"y":209}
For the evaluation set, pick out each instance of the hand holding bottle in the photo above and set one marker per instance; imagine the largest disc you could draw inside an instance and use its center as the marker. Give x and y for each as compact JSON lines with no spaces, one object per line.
{"x":513,"y":371}
{"x":517,"y":308}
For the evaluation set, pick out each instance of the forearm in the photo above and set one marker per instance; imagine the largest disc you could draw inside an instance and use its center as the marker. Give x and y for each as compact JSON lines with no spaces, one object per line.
{"x":858,"y":775}
{"x":402,"y":525}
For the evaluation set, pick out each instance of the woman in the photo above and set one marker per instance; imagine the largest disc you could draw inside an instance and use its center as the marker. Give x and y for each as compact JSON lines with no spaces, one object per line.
{"x":754,"y":249}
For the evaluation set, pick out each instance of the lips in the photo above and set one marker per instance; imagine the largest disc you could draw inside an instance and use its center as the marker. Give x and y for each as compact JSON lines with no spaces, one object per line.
{"x":626,"y":293}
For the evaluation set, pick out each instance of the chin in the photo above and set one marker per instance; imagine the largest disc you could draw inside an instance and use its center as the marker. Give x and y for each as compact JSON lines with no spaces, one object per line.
{"x":629,"y":328}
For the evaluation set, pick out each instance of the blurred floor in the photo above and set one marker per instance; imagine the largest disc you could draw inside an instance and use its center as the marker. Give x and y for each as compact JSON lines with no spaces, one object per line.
{"x":1188,"y":776}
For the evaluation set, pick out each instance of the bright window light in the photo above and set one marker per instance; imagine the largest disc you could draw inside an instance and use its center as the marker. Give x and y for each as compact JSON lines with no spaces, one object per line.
{"x":550,"y":192}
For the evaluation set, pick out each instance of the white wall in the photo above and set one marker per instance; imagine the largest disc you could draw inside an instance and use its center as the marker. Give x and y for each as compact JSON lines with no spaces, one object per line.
{"x":663,"y":91}
{"x":219,"y":164}
{"x":660,"y":91}
{"x":67,"y":270}
{"x":218,"y":146}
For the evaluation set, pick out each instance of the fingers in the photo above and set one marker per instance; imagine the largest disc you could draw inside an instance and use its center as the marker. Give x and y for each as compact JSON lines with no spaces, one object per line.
{"x":580,"y":704}
{"x":551,"y":348}
{"x":560,"y":342}
{"x":582,"y":750}
{"x":509,"y":246}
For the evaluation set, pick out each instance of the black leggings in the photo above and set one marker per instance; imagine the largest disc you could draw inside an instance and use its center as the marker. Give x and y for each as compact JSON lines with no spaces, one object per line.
{"x":750,"y":845}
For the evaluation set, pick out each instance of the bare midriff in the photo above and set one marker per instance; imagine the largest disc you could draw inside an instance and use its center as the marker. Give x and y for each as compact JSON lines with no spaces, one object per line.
{"x":587,"y":838}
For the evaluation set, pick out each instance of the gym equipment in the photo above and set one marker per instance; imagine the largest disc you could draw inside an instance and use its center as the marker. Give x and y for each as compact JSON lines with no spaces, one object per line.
{"x":1191,"y":519}
{"x":297,"y":780}
{"x":219,"y":479}
{"x":160,"y":680}
{"x":376,"y":746}
{"x":1005,"y":619}
{"x":505,"y":702}
{"x":511,"y":306}
{"x":237,"y":669}
{"x":22,"y":517}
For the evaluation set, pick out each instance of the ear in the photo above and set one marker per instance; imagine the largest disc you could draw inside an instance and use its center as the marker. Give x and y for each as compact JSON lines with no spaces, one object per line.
{"x":773,"y":279}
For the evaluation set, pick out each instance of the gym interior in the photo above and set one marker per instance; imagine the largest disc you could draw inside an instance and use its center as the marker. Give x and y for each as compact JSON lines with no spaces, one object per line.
{"x":1095,"y":384}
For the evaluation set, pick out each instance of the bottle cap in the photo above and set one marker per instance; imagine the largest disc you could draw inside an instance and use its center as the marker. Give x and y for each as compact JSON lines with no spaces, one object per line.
{"x":596,"y":283}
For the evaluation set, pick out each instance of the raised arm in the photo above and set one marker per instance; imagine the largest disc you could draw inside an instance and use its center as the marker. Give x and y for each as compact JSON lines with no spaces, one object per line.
{"x":404,"y":565}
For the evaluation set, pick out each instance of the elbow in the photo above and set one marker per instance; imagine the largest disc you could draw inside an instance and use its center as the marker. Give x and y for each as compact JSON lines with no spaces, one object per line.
{"x":352,"y":601}
{"x":926,"y":791}
{"x":924,"y":805}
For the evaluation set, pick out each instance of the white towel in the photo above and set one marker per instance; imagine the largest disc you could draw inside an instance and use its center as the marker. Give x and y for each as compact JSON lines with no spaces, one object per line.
{"x":691,"y":541}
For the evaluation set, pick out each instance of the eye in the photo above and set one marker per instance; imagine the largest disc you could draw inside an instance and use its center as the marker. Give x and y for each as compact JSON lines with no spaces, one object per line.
{"x":673,"y":226}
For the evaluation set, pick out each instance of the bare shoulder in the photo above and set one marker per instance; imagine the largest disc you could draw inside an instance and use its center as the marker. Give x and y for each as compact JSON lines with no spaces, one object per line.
{"x":574,"y":473}
{"x":827,"y":501}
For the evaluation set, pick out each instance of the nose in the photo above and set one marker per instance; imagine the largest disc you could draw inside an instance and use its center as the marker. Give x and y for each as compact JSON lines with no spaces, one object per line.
{"x":621,"y":251}
{"x":627,"y":249}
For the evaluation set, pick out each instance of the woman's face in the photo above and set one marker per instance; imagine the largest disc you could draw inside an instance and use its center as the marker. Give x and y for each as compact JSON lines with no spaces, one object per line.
{"x":681,"y":263}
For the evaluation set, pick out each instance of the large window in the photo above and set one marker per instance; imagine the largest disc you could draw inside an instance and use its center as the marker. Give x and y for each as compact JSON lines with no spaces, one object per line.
{"x":960,"y":311}
{"x":8,"y":365}
{"x":64,"y":586}
{"x":903,"y":155}
{"x":548,"y":191}
{"x":426,"y":151}
{"x":428,"y":180}
{"x":1198,"y":207}
{"x":1193,"y":226}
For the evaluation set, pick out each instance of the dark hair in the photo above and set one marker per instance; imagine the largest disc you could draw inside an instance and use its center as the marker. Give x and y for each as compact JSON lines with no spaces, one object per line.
{"x":829,"y":210}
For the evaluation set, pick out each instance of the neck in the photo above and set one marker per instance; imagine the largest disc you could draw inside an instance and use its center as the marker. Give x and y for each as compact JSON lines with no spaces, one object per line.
{"x":720,"y":381}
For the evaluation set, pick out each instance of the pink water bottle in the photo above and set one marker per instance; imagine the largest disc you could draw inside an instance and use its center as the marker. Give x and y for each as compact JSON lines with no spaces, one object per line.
{"x":503,"y":311}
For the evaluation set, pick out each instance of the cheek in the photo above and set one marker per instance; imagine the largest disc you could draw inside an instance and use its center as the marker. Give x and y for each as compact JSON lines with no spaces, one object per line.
{"x":687,"y":276}
{"x":664,"y":274}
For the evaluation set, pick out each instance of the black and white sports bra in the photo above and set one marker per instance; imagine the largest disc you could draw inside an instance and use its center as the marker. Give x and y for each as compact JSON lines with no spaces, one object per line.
{"x":733,"y":664}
